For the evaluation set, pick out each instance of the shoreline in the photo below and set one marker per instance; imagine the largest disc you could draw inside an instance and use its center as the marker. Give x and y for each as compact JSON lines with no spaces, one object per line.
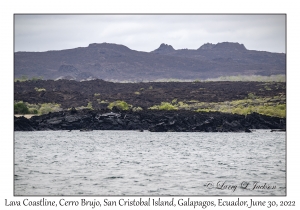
{"x":28,"y":116}
{"x":150,"y":120}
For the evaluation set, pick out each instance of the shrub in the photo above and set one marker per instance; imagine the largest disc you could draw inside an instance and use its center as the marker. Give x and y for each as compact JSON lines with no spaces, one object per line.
{"x":182,"y":105}
{"x":20,"y":108}
{"x":122,"y":105}
{"x":137,"y":93}
{"x":90,"y":105}
{"x":33,"y":111}
{"x":102,"y":101}
{"x":97,"y":94}
{"x":174,"y":101}
{"x":251,"y":96}
{"x":137,"y":109}
{"x":39,"y":89}
{"x":25,"y":78}
{"x":49,"y":107}
{"x":164,"y":106}
{"x":26,"y":108}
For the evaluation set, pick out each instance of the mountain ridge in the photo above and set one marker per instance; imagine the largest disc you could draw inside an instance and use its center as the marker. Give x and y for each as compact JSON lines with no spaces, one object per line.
{"x":118,"y":62}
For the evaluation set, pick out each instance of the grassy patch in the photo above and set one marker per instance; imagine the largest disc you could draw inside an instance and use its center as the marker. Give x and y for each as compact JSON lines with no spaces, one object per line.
{"x":270,"y":106}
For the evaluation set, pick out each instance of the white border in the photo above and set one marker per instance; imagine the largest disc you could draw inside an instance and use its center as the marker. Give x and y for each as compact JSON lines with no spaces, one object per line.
{"x":6,"y":50}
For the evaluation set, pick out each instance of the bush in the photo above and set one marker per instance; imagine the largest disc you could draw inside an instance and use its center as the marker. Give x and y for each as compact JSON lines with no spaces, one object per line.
{"x":137,"y":109}
{"x":33,"y":111}
{"x":89,"y":106}
{"x":48,"y":107}
{"x":122,"y":105}
{"x":251,"y":96}
{"x":174,"y":101}
{"x":26,"y":108}
{"x":20,"y":108}
{"x":167,"y":106}
{"x":39,"y":89}
{"x":25,"y":78}
{"x":164,"y":106}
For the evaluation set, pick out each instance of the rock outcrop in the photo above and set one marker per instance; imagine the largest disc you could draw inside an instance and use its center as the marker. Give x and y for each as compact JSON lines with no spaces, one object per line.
{"x":164,"y":48}
{"x":154,"y":121}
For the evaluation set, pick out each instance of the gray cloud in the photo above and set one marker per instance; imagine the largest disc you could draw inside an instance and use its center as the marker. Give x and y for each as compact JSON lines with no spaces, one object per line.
{"x":147,"y":32}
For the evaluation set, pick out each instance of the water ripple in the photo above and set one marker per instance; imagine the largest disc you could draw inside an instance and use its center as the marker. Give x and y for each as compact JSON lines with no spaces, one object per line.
{"x":145,"y":163}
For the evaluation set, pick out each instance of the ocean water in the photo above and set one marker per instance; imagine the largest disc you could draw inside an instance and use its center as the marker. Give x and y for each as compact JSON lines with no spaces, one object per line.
{"x":103,"y":163}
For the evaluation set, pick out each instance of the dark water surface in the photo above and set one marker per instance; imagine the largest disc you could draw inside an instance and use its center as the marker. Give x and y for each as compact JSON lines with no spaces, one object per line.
{"x":146,"y":163}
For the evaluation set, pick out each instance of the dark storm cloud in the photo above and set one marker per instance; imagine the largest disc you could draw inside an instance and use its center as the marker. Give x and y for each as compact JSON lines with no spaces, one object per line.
{"x":147,"y":32}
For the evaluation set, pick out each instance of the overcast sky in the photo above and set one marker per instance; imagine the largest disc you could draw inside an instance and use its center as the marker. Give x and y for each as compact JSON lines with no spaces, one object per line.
{"x":147,"y":32}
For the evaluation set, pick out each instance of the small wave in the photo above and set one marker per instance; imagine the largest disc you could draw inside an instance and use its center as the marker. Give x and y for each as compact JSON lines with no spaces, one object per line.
{"x":221,"y":177}
{"x":114,"y":177}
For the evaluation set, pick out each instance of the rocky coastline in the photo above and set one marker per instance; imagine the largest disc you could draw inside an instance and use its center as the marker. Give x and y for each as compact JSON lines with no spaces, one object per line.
{"x":151,"y":120}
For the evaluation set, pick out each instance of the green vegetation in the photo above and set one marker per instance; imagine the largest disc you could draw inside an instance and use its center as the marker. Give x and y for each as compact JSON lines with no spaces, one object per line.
{"x":97,"y":94}
{"x":102,"y":101}
{"x":88,"y":106}
{"x":25,"y":78}
{"x":243,"y":78}
{"x":137,"y":93}
{"x":267,"y":87}
{"x":251,"y":96}
{"x":164,"y":106}
{"x":22,"y":79}
{"x":258,"y":78}
{"x":26,"y":108}
{"x":266,"y":106}
{"x":39,"y":89}
{"x":36,"y":78}
{"x":122,"y":105}
{"x":137,"y":109}
{"x":270,"y":106}
{"x":205,"y":110}
{"x":48,"y":107}
{"x":20,"y":108}
{"x":174,"y":101}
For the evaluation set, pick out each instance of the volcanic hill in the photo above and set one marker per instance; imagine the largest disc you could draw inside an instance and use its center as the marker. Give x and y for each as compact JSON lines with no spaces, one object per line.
{"x":118,"y":62}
